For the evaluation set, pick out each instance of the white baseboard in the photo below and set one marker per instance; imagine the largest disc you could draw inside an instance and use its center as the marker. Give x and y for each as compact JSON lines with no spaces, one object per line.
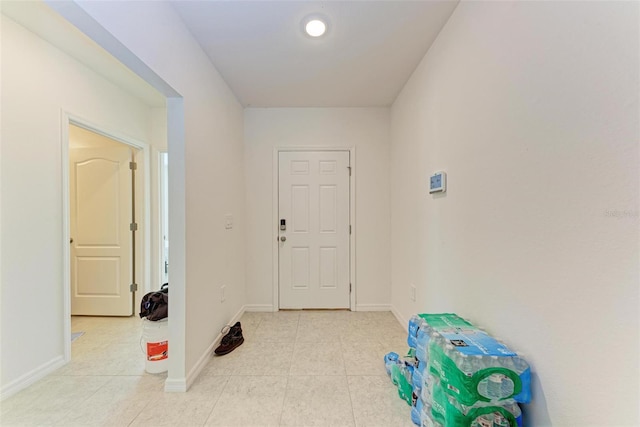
{"x":31,"y":377}
{"x":259,"y":308}
{"x":175,"y":386}
{"x":373,"y":307}
{"x":182,"y":385}
{"x":404,"y":322}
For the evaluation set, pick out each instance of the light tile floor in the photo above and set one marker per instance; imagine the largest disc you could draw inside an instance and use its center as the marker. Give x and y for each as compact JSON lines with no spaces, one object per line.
{"x":295,"y":368}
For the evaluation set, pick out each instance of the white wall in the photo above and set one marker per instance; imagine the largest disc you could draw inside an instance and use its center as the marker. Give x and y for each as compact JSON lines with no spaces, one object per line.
{"x":205,"y":173}
{"x":532,"y":110}
{"x":366,"y":129}
{"x":38,"y":83}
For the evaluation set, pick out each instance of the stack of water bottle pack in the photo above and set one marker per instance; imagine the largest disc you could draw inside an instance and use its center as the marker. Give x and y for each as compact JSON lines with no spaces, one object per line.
{"x":456,"y":375}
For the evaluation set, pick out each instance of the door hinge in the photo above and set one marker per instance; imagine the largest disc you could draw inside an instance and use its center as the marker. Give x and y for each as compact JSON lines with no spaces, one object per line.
{"x":133,"y":166}
{"x":133,"y":226}
{"x":349,"y":287}
{"x":349,"y":167}
{"x":133,"y":287}
{"x":349,"y":229}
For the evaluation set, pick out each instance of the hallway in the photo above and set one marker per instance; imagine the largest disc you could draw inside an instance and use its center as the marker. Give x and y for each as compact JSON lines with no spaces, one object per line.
{"x":295,"y":368}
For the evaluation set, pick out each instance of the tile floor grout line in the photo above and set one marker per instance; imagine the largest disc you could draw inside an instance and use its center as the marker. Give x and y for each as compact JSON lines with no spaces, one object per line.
{"x":293,"y":350}
{"x":217,"y":400}
{"x":353,"y":411}
{"x":140,"y":412}
{"x":346,"y":377}
{"x":284,"y":398}
{"x":66,"y":413}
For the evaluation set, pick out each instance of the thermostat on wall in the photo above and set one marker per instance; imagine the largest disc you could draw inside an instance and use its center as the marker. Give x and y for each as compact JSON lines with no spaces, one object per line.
{"x":438,"y":183}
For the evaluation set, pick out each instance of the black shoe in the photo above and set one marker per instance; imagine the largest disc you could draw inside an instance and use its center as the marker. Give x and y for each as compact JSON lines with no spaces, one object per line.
{"x":231,"y":340}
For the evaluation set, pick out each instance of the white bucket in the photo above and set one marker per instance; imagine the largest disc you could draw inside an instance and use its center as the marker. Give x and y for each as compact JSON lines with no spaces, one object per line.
{"x":155,"y":342}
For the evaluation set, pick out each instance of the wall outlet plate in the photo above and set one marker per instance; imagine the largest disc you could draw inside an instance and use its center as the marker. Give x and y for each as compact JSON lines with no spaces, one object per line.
{"x":228,"y":222}
{"x":438,"y":182}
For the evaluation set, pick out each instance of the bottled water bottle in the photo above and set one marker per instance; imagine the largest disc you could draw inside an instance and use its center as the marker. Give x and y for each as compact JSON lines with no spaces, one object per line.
{"x":422,"y":342}
{"x":494,"y":387}
{"x":414,"y":325}
{"x":483,"y":421}
{"x":416,"y":413}
{"x":433,"y":323}
{"x":427,"y":417}
{"x":401,"y":374}
{"x":481,"y":414}
{"x":499,"y":420}
{"x":417,"y":380}
{"x":428,"y":381}
{"x":465,"y":363}
{"x":507,"y":387}
{"x":476,"y":367}
{"x":421,"y":366}
{"x":389,"y":360}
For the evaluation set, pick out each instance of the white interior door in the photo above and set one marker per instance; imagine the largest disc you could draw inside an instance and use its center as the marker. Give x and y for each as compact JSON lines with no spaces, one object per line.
{"x":100,"y":217}
{"x":314,"y":254}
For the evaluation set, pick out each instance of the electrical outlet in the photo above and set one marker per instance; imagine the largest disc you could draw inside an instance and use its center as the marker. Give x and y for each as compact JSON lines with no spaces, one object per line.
{"x":223,"y":290}
{"x":412,"y":292}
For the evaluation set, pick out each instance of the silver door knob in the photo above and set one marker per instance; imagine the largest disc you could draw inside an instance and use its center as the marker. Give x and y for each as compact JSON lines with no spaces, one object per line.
{"x":283,"y":238}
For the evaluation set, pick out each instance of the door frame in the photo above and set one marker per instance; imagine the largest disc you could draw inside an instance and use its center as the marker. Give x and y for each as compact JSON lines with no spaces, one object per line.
{"x":275,"y":219}
{"x":143,"y":246}
{"x":162,"y":180}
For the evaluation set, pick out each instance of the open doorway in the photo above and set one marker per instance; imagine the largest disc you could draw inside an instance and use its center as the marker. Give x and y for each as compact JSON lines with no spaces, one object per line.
{"x":107,"y":200}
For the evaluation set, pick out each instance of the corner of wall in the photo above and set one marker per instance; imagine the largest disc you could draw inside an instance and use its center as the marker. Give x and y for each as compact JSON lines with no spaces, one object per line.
{"x":181,"y":385}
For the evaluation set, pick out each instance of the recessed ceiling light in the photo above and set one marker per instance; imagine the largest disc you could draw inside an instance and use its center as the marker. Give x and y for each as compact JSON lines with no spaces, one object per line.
{"x":315,"y":28}
{"x":315,"y":25}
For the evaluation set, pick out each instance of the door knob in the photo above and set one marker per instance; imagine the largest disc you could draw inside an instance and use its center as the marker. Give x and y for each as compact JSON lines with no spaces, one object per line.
{"x":283,"y":238}
{"x":71,"y":240}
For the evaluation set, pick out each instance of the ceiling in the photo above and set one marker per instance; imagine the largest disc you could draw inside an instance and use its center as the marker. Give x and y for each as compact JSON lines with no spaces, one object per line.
{"x":364,"y":60}
{"x":41,"y":20}
{"x":366,"y":57}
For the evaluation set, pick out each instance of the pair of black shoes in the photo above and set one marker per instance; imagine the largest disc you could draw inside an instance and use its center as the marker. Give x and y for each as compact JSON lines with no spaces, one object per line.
{"x":231,"y":340}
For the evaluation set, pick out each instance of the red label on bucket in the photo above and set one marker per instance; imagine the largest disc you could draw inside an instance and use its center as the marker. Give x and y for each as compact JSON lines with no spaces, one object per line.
{"x":157,"y":350}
